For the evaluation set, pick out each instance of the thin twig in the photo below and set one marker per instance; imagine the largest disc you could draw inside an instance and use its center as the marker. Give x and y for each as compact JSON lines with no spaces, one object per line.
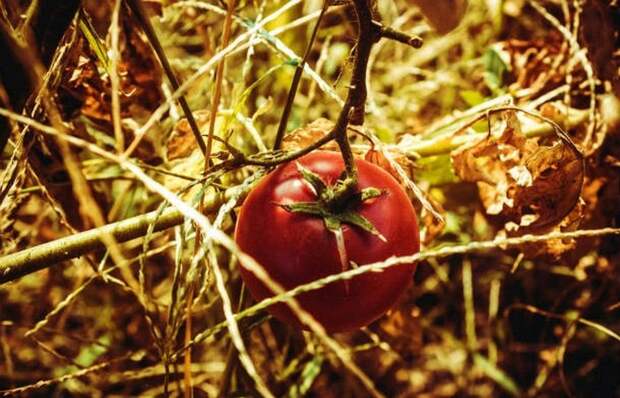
{"x":115,"y":57}
{"x":219,"y":78}
{"x":138,"y":9}
{"x":296,"y":79}
{"x":401,"y":37}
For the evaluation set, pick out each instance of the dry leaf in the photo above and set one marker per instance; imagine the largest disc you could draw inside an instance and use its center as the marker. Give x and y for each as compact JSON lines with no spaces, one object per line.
{"x":489,"y":163}
{"x":309,"y":134}
{"x":599,"y":33}
{"x":182,"y":142}
{"x":443,"y":15}
{"x":534,"y":64}
{"x":557,"y":180}
{"x":434,"y":226}
{"x":553,"y":249}
{"x":378,"y":158}
{"x":530,"y":187}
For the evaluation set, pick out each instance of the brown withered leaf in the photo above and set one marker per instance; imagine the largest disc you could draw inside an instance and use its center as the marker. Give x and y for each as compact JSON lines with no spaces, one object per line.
{"x":309,"y":134}
{"x":534,"y":64}
{"x":182,"y":142}
{"x":496,"y":165}
{"x":553,"y":249}
{"x":443,"y":15}
{"x":378,"y":158}
{"x":600,"y":35}
{"x":529,"y":186}
{"x":557,"y":174}
{"x":434,"y":226}
{"x":88,"y":90}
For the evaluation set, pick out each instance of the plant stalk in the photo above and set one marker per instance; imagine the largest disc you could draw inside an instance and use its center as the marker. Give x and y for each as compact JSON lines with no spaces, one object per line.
{"x":354,"y":107}
{"x":16,"y":265}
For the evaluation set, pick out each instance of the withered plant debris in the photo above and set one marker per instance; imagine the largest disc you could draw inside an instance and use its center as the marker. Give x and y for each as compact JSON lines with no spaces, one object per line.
{"x":529,"y":184}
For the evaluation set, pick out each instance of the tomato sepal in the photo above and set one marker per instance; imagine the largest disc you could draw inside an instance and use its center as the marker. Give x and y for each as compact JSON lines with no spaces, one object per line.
{"x":334,"y":219}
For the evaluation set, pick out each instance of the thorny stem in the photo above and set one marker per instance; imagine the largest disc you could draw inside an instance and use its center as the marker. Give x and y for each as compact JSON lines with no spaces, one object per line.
{"x":402,"y":37}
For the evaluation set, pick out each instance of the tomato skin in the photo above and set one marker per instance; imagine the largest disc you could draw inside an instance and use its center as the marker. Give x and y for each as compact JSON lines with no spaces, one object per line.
{"x":296,"y":248}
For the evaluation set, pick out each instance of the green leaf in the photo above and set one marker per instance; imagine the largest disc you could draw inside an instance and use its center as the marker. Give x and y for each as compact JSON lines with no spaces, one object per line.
{"x":497,"y":375}
{"x":90,"y":353}
{"x":495,"y":68}
{"x":472,"y":97}
{"x":314,"y":179}
{"x":307,"y":377}
{"x":436,"y":170}
{"x":94,"y":41}
{"x":293,"y":62}
{"x":385,"y":134}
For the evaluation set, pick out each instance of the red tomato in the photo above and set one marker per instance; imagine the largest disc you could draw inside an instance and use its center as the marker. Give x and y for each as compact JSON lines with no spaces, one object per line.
{"x":296,"y":248}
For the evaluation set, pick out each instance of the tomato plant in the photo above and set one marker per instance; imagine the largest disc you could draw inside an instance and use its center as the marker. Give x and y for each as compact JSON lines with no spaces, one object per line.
{"x":296,"y":247}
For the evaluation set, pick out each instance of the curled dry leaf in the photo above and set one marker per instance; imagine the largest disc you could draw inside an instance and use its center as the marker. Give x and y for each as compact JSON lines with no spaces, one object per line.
{"x":557,"y":178}
{"x":184,"y":156}
{"x":434,"y":226}
{"x":600,"y":34}
{"x":532,"y":187}
{"x":443,"y":15}
{"x":553,"y":249}
{"x":308,"y":134}
{"x":537,"y":65}
{"x":182,"y":142}
{"x":85,"y":86}
{"x":494,"y":163}
{"x":378,"y":157}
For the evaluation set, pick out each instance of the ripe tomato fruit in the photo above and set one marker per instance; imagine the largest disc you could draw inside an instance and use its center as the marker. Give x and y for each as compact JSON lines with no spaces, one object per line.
{"x":297,"y":248}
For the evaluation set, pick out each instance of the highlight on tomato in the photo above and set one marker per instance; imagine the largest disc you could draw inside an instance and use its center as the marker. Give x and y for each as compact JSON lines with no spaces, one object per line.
{"x":287,"y":225}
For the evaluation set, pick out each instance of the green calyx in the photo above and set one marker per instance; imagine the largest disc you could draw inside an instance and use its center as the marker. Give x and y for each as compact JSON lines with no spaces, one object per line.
{"x":333,"y":211}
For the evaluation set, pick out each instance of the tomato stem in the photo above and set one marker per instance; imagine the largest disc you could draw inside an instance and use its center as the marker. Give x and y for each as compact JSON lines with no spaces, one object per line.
{"x":354,"y":107}
{"x":370,"y":31}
